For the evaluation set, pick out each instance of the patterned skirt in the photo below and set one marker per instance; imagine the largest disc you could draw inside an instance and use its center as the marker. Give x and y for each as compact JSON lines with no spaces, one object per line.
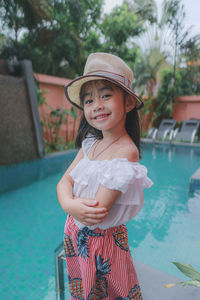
{"x":99,"y":263}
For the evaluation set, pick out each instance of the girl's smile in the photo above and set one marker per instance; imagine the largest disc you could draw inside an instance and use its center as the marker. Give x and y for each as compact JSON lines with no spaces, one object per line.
{"x":101,"y":117}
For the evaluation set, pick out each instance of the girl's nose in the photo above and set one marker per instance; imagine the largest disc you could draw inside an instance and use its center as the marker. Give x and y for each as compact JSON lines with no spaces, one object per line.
{"x":99,"y":105}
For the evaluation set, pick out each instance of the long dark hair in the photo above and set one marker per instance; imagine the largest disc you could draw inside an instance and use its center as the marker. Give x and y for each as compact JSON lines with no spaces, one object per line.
{"x":132,"y":125}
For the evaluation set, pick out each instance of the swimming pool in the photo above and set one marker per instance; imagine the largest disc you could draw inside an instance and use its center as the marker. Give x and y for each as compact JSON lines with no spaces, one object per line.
{"x":166,"y":230}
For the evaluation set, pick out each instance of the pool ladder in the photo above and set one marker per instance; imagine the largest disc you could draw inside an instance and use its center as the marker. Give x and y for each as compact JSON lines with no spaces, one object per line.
{"x":59,"y":258}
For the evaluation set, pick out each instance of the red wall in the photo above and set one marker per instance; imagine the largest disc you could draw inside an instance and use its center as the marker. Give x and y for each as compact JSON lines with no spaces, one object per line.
{"x":53,"y":91}
{"x":187,"y":107}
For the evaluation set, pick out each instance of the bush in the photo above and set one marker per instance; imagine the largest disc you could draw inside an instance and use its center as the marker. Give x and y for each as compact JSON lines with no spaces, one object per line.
{"x":187,"y":82}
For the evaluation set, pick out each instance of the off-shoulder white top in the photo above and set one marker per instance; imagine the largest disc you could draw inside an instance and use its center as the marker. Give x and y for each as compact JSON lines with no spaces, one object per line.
{"x":118,"y":174}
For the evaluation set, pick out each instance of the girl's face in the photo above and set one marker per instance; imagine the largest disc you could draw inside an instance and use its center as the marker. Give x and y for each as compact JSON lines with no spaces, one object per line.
{"x":104,"y":105}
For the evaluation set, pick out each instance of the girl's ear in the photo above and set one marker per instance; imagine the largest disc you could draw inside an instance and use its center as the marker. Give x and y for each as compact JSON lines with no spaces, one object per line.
{"x":130,"y":103}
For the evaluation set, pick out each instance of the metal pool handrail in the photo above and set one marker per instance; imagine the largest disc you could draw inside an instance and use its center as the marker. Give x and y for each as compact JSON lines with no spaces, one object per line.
{"x":59,"y":258}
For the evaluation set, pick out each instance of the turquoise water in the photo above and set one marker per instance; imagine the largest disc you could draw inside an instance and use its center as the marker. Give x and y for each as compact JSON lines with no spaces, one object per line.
{"x":166,"y":230}
{"x":168,"y":227}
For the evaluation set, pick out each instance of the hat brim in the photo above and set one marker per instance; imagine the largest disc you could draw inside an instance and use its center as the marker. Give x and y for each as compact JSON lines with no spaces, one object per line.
{"x":72,"y":90}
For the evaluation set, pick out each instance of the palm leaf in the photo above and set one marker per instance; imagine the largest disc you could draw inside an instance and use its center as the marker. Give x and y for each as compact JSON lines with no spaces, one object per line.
{"x":188,"y":270}
{"x":184,"y":283}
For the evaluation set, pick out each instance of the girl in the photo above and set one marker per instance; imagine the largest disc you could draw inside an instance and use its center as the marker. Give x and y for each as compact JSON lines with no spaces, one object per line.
{"x":103,"y":187}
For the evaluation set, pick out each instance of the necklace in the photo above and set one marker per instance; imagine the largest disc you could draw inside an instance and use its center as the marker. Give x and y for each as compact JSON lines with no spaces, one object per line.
{"x":95,"y":156}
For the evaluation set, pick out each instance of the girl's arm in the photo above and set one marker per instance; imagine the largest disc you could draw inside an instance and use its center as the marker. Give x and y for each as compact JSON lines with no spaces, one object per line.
{"x":106,"y":197}
{"x":104,"y":200}
{"x":84,"y":210}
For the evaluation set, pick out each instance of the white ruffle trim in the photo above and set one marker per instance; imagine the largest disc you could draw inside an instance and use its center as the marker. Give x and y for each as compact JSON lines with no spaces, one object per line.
{"x":116,"y":174}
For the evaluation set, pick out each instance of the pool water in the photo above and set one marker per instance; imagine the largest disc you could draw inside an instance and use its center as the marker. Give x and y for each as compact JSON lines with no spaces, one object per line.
{"x":168,"y":227}
{"x":32,"y":222}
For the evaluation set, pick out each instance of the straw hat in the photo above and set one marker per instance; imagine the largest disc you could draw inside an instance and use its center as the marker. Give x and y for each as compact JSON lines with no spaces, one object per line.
{"x":102,"y":66}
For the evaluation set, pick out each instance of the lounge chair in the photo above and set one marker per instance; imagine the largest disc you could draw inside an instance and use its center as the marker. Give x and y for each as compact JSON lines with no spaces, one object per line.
{"x":151,"y":133}
{"x":166,"y":128}
{"x":188,"y":131}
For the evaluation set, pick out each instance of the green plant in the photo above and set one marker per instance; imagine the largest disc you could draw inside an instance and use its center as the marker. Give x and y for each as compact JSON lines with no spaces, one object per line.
{"x":144,"y":133}
{"x":71,"y":145}
{"x":42,"y":30}
{"x":187,"y":83}
{"x":147,"y":113}
{"x":51,"y":128}
{"x":40,"y":94}
{"x":190,"y":272}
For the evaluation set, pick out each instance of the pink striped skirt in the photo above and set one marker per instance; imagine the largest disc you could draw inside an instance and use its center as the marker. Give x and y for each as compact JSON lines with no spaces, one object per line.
{"x":99,"y":263}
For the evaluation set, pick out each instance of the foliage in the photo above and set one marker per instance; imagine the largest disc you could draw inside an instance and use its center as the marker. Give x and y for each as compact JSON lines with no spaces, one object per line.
{"x":149,"y":104}
{"x":187,"y":83}
{"x":180,"y":39}
{"x":183,"y":47}
{"x":153,"y":58}
{"x":173,"y":16}
{"x":145,"y":9}
{"x":191,"y":49}
{"x":2,"y":41}
{"x":147,"y":71}
{"x":166,"y":42}
{"x":53,"y":43}
{"x":51,"y":128}
{"x":57,"y":36}
{"x":117,"y":30}
{"x":190,"y":272}
{"x":120,"y":27}
{"x":40,"y":94}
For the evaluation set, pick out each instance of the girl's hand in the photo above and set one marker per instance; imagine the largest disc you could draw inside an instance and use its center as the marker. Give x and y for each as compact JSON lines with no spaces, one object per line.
{"x":86,"y":212}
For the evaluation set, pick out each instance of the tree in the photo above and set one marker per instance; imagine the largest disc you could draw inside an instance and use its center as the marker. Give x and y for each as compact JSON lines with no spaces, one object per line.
{"x":174,"y":15}
{"x":148,"y":71}
{"x":154,"y":53}
{"x":120,"y":28}
{"x":17,"y":16}
{"x":191,"y":50}
{"x":169,"y":38}
{"x":58,"y":35}
{"x":180,"y":39}
{"x":146,"y":10}
{"x":167,"y":44}
{"x":53,"y":36}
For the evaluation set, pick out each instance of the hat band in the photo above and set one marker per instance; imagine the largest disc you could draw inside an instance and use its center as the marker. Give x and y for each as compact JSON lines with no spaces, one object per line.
{"x":113,"y":76}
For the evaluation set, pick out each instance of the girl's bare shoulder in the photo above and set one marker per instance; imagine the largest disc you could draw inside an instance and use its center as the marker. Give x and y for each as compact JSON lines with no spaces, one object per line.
{"x":127,"y":149}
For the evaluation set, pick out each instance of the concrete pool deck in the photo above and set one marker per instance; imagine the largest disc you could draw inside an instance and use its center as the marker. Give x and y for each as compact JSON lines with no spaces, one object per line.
{"x":152,"y":283}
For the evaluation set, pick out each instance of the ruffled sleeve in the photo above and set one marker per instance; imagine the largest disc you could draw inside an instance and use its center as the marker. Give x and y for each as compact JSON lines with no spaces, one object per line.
{"x":87,"y":143}
{"x":119,"y":174}
{"x":80,"y":173}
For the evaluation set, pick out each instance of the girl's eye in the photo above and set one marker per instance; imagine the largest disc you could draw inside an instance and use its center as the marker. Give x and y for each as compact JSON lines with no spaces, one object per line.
{"x":88,"y":101}
{"x":106,"y":96}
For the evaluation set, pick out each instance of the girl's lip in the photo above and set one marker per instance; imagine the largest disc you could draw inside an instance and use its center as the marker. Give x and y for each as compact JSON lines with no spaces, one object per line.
{"x":101,"y":116}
